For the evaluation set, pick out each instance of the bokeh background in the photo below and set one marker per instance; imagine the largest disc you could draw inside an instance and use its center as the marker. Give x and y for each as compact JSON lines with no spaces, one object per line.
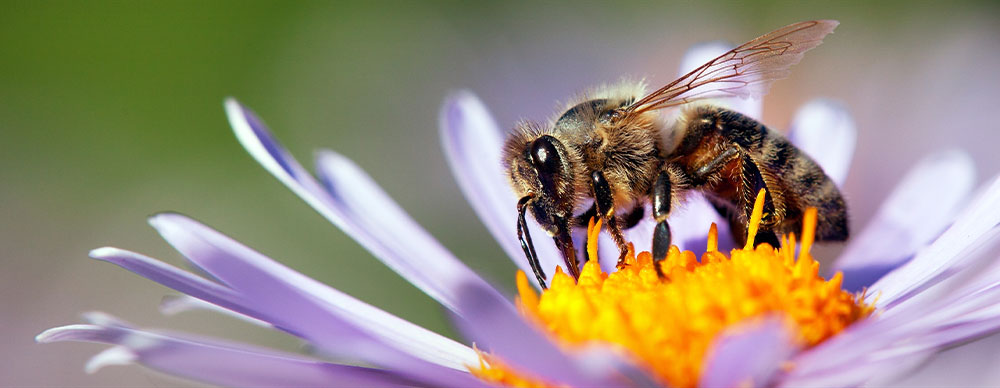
{"x":112,"y":111}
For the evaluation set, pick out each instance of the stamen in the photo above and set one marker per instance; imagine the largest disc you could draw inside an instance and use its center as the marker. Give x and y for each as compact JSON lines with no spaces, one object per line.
{"x":713,"y":238}
{"x":593,"y":233}
{"x":808,"y":231}
{"x":755,"y":217}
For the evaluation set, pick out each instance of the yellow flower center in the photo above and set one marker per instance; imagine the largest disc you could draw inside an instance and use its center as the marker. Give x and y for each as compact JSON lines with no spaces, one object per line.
{"x":669,"y":324}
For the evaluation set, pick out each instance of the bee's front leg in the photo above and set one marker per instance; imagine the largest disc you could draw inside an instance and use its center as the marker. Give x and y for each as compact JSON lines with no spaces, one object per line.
{"x":605,"y":203}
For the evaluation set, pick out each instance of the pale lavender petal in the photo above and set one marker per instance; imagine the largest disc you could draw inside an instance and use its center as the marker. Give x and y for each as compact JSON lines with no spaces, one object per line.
{"x":947,"y":255}
{"x":914,"y":328}
{"x":826,"y":132}
{"x":498,"y":329}
{"x":411,"y":250}
{"x":329,"y":318}
{"x":216,"y":362}
{"x":872,"y":369}
{"x":892,"y":344}
{"x":921,"y":206}
{"x":751,"y":353}
{"x":414,"y":267}
{"x":177,"y":279}
{"x":176,"y":304}
{"x":350,"y":341}
{"x":700,"y":54}
{"x":620,"y":367}
{"x":641,"y":235}
{"x":690,"y":223}
{"x":472,"y":143}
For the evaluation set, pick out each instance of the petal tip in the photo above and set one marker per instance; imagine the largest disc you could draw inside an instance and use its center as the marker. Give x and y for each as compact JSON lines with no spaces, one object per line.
{"x":161,"y":220}
{"x":326,"y":157}
{"x":62,"y":333}
{"x":117,"y":355}
{"x":49,"y":335}
{"x":101,"y":318}
{"x":104,"y":253}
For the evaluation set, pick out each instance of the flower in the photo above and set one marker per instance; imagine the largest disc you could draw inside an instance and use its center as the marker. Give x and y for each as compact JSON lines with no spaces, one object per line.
{"x":927,"y":268}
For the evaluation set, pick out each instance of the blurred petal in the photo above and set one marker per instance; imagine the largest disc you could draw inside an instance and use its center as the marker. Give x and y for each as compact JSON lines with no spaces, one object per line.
{"x":867,"y":370}
{"x":826,"y":132}
{"x":689,"y":225}
{"x":175,"y":304}
{"x":917,"y":327}
{"x":412,"y":265}
{"x":947,"y":255}
{"x":700,"y":54}
{"x":917,"y":211}
{"x":177,"y":279}
{"x":217,"y":362}
{"x":410,"y":250}
{"x":332,"y":320}
{"x":472,"y":143}
{"x":499,"y":330}
{"x":750,"y":353}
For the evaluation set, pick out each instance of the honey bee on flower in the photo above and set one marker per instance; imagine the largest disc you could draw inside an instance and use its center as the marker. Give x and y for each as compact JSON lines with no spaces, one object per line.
{"x":690,"y":319}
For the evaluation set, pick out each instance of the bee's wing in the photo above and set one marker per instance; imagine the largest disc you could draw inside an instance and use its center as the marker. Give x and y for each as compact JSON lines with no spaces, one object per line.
{"x":745,"y":71}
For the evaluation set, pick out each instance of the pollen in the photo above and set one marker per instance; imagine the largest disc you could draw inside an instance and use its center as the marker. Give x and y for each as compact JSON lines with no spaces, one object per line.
{"x":669,"y":323}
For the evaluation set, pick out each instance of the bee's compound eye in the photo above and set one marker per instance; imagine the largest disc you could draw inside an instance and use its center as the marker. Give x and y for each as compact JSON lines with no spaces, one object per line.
{"x":544,"y":155}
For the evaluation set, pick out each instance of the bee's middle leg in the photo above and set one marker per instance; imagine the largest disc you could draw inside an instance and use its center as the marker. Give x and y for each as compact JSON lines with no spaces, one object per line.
{"x":660,"y":196}
{"x":604,"y":201}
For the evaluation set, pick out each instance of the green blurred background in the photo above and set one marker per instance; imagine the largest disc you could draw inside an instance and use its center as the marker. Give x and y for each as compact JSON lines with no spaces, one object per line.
{"x":111,"y":111}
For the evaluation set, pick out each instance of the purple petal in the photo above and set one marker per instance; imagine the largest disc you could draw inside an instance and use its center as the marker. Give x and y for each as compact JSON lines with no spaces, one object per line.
{"x":749,"y":353}
{"x":353,"y":343}
{"x":690,"y":225}
{"x":408,"y":248}
{"x":911,"y":329}
{"x":472,"y":144}
{"x":259,"y":142}
{"x":873,"y":369}
{"x":917,"y":211}
{"x":826,"y":132}
{"x":177,"y":279}
{"x":498,"y":329}
{"x":329,"y":318}
{"x":176,"y":304}
{"x":948,"y":254}
{"x":700,"y":54}
{"x":216,"y":362}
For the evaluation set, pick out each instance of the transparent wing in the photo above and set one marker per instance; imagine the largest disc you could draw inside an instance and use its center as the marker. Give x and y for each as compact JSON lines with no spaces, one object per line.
{"x":745,"y":71}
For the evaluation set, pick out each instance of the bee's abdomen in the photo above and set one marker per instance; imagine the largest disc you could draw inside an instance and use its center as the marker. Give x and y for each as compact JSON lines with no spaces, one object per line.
{"x":804,"y":184}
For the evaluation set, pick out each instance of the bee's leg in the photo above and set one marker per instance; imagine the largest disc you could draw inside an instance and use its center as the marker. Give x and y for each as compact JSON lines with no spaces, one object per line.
{"x":753,"y":183}
{"x":564,"y":241}
{"x":525,"y":238}
{"x":633,"y":217}
{"x":661,"y":209}
{"x":583,"y":220}
{"x":606,"y":209}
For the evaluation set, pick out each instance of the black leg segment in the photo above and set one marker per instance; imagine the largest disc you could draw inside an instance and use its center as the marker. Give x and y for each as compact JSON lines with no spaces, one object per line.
{"x":605,"y":203}
{"x":661,"y":209}
{"x":564,"y":241}
{"x":526,"y":245}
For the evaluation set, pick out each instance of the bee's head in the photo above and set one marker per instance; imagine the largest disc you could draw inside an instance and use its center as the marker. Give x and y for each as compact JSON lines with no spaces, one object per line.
{"x":542,"y":167}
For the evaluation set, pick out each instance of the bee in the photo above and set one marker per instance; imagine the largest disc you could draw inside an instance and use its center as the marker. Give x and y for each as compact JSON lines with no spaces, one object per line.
{"x":612,"y":153}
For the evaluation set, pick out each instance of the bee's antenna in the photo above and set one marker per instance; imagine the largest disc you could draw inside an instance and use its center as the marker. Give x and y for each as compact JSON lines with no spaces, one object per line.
{"x":525,"y":238}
